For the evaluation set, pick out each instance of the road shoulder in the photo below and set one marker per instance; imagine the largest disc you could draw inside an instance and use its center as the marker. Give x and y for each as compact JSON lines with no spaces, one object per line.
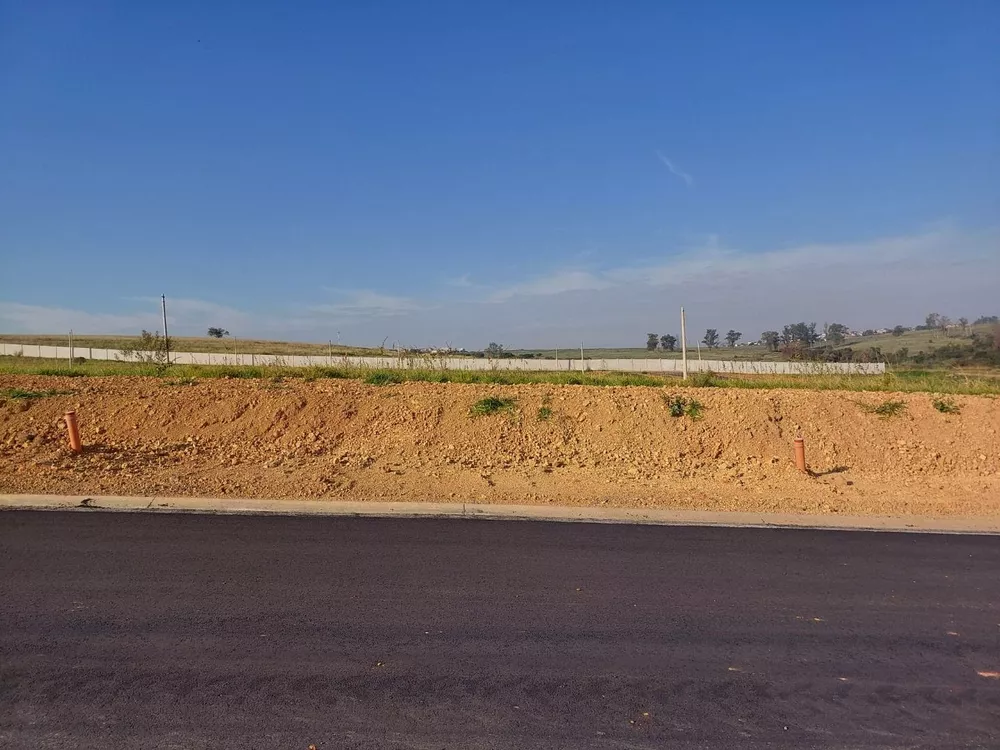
{"x":375,"y":509}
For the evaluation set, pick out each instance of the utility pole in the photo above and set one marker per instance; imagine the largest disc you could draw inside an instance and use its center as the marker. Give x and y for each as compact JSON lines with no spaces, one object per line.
{"x":71,"y":347}
{"x":684,"y":346}
{"x":581,"y":357}
{"x":166,"y":336}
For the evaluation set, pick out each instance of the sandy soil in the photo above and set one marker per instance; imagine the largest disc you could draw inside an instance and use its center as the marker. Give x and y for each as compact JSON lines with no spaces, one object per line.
{"x":416,"y":441}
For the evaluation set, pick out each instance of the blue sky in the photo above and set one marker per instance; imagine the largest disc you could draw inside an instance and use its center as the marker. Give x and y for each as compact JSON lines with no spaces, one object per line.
{"x":531,"y":173}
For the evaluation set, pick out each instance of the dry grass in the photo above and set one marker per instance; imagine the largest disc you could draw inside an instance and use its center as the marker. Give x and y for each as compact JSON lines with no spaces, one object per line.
{"x":205,"y":344}
{"x":907,"y":381}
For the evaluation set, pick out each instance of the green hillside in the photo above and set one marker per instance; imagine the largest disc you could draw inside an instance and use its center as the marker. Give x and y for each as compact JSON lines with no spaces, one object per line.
{"x":916,"y":341}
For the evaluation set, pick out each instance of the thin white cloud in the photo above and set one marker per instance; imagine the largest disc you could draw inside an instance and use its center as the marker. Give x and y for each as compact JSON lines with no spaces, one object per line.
{"x":186,"y":309}
{"x":366,"y":303}
{"x":22,"y":318}
{"x":720,"y":265}
{"x":864,"y":283}
{"x":556,"y":283}
{"x":184,"y":316}
{"x":676,"y":170}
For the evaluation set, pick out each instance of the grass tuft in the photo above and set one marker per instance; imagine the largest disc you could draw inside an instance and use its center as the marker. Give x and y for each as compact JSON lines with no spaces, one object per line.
{"x":492,"y":405}
{"x":21,"y":393}
{"x":946,"y":406}
{"x":940,"y":382}
{"x":886,"y":409}
{"x":381,"y":377}
{"x":704,"y":380}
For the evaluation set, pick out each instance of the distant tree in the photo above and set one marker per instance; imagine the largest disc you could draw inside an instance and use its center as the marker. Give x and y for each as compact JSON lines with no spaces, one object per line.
{"x":652,"y":339}
{"x":868,"y":332}
{"x":984,"y":319}
{"x":494,"y":350}
{"x":964,"y":322}
{"x":944,"y":322}
{"x":711,"y":339}
{"x":799,"y":333}
{"x":932,"y":320}
{"x":771,"y":339}
{"x":836,"y":333}
{"x":732,"y":337}
{"x":217,"y":333}
{"x":668,"y":342}
{"x":898,"y":331}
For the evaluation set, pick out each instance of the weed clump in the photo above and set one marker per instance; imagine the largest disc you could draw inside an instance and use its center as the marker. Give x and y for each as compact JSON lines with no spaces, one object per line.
{"x":492,"y":405}
{"x":678,"y":406}
{"x":704,"y":380}
{"x":946,"y":406}
{"x":886,"y":409}
{"x":381,"y":377}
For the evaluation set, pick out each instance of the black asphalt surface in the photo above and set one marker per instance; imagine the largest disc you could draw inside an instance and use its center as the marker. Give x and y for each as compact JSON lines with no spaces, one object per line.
{"x":183,"y":631}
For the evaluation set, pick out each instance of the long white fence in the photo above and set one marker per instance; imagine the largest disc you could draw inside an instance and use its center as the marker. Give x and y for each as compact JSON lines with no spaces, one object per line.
{"x":466,"y":363}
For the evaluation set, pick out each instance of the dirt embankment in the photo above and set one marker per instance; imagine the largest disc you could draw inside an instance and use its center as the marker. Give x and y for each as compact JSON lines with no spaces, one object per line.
{"x":417,"y":441}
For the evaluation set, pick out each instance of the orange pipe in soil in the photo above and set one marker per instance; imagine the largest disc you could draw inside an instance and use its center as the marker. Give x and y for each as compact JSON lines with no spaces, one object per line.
{"x":74,"y":432}
{"x":800,"y":455}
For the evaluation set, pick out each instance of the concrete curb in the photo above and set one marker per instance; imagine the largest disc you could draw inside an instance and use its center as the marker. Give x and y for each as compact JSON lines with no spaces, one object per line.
{"x":377,"y":509}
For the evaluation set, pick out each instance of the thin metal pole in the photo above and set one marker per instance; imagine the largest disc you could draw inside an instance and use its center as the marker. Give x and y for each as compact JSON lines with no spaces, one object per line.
{"x":71,"y":347}
{"x":684,"y":345}
{"x":581,"y":357}
{"x":166,"y":336}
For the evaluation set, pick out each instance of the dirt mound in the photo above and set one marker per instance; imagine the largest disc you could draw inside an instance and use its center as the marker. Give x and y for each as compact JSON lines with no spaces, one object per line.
{"x":563,"y":444}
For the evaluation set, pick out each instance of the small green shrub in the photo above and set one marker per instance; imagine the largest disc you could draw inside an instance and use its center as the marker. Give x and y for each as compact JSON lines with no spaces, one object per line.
{"x":886,"y":409}
{"x":675,"y":405}
{"x":382,"y":377}
{"x":946,"y":406}
{"x":544,"y":413}
{"x":694,"y":409}
{"x":678,"y":406}
{"x":492,"y":405}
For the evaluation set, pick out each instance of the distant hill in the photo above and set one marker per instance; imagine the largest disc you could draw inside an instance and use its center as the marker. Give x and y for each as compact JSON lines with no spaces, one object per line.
{"x":916,"y":341}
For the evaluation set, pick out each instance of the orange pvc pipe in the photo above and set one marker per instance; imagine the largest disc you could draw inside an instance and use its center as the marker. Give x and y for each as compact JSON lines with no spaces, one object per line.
{"x":75,"y":444}
{"x":800,"y":455}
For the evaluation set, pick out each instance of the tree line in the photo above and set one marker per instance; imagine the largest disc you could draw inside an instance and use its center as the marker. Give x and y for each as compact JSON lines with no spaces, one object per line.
{"x":804,"y":335}
{"x":668,"y":342}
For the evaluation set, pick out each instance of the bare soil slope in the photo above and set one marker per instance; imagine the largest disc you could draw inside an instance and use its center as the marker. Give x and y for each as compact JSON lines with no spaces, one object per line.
{"x":417,"y":441}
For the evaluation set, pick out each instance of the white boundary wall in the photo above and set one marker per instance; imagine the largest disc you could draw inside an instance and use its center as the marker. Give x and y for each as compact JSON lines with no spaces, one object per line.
{"x":469,"y":363}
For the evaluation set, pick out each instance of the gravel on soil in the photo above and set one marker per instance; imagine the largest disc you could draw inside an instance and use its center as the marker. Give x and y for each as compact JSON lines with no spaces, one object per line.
{"x":596,"y":446}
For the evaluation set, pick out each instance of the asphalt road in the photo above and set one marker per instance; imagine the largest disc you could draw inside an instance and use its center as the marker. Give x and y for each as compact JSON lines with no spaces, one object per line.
{"x":182,"y":631}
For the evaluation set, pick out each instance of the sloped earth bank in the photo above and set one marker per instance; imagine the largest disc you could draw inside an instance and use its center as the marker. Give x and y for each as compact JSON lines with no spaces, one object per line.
{"x":601,"y":446}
